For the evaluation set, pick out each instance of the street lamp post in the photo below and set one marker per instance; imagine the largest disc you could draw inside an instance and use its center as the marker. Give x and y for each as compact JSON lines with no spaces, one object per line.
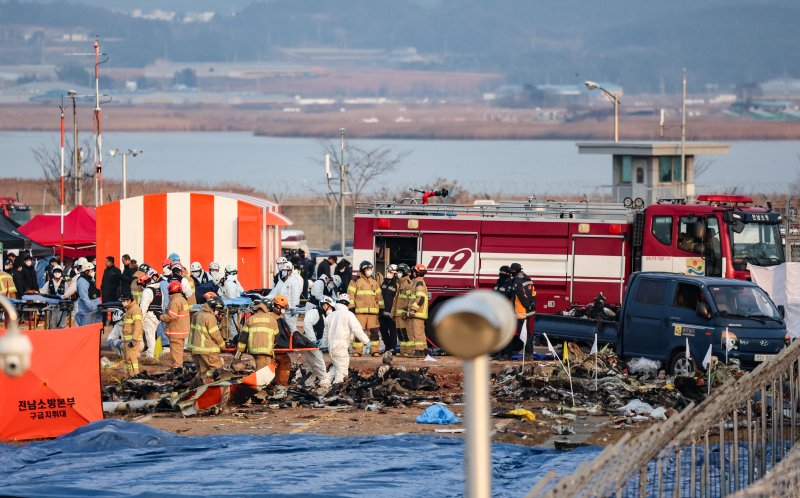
{"x":614,"y":98}
{"x":470,"y":327}
{"x":77,"y":170}
{"x":132,"y":152}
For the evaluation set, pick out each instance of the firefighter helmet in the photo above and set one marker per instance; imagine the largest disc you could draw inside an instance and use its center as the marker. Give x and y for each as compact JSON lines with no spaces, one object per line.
{"x":343,"y":298}
{"x":175,"y":287}
{"x":281,"y":301}
{"x":216,"y":303}
{"x":213,"y":266}
{"x":364,"y":265}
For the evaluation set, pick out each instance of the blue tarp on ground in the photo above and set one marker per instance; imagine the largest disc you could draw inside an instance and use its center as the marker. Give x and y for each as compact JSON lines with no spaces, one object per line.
{"x":115,"y":458}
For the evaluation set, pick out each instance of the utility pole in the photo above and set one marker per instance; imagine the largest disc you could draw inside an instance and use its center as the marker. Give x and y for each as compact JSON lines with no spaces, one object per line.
{"x":62,"y":179}
{"x":342,"y":182}
{"x":683,"y":131}
{"x":98,"y":137}
{"x":77,"y":171}
{"x":341,"y":189}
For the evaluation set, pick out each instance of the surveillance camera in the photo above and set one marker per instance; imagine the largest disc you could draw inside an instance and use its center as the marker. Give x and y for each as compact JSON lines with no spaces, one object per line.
{"x":15,"y":353}
{"x":478,"y":323}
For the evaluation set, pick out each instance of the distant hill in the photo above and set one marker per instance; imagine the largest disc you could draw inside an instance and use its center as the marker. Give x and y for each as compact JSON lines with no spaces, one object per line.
{"x":641,"y":46}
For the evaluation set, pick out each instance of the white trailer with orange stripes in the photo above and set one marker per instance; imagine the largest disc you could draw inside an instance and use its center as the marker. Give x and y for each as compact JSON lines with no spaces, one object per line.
{"x":231,"y":229}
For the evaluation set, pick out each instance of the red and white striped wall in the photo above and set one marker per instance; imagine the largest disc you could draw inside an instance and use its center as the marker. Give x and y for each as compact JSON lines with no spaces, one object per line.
{"x":230,"y":229}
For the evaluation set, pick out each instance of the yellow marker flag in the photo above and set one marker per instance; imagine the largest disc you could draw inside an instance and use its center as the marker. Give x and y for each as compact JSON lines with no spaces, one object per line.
{"x":566,"y":352}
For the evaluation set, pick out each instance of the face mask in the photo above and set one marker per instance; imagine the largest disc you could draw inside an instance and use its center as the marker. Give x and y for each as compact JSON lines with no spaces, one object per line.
{"x":56,"y":274}
{"x":390,"y":275}
{"x":367,"y":273}
{"x":91,"y":273}
{"x":327,"y":310}
{"x":284,"y":274}
{"x":28,"y":263}
{"x":196,"y":274}
{"x":400,"y":274}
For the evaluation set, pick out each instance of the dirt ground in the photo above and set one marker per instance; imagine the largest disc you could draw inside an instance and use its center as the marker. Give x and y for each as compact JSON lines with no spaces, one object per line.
{"x":351,"y":421}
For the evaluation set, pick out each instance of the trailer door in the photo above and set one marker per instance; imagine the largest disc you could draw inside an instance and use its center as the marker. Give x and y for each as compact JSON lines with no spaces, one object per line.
{"x":451,"y":259}
{"x":598,"y":265}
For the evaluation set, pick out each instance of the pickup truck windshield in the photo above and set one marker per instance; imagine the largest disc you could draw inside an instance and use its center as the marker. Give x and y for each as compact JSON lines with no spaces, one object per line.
{"x":759,"y":244}
{"x":743,"y":301}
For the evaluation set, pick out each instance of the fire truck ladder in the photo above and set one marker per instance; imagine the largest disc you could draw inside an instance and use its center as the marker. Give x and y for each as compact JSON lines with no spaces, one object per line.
{"x":506,"y":209}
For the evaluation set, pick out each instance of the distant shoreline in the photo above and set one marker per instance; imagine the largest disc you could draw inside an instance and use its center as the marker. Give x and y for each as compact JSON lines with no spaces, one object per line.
{"x":463,"y":122}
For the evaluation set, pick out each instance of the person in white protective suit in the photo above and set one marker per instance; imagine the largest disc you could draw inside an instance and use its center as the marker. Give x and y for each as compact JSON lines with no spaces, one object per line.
{"x":341,"y":328}
{"x":231,"y":289}
{"x":325,"y":285}
{"x":314,"y":324}
{"x":151,"y":304}
{"x":290,"y":285}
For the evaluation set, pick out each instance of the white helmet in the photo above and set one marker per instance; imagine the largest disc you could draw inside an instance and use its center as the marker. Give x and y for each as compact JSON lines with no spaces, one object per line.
{"x":337,"y":280}
{"x":287,"y":266}
{"x":213,"y":267}
{"x":117,"y":315}
{"x":230,"y":270}
{"x":280,"y":262}
{"x":196,"y":266}
{"x":80,"y":262}
{"x":86,"y":267}
{"x":327,"y":299}
{"x":343,"y":297}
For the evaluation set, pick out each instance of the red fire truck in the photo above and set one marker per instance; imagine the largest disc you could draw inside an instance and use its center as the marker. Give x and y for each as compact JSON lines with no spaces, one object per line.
{"x":573,"y":251}
{"x":15,"y":210}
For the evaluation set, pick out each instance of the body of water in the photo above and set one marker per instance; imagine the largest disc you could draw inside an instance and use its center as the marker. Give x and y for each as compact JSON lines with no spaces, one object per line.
{"x":294,"y":165}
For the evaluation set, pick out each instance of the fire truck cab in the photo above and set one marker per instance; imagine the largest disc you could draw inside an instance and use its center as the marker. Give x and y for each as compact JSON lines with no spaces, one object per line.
{"x":572,"y":251}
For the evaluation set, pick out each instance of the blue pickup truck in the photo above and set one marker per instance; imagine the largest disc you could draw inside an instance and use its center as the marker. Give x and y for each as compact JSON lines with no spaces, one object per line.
{"x":661,"y":310}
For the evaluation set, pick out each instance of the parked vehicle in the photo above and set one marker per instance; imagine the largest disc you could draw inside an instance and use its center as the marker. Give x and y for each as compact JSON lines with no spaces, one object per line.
{"x":16,"y":211}
{"x":292,"y":240}
{"x":662,"y":310}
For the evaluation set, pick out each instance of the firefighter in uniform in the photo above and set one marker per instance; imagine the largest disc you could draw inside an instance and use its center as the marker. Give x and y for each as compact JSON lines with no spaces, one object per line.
{"x":367,"y":304}
{"x":205,"y":341}
{"x":283,"y":363}
{"x":178,"y":322}
{"x":7,"y":287}
{"x":132,"y":331}
{"x":400,"y":309}
{"x":524,"y":307}
{"x":418,"y":310}
{"x":257,"y":337}
{"x":388,"y":292}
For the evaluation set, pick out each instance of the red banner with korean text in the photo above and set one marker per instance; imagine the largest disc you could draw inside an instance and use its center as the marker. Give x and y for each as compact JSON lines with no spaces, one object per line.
{"x":61,"y":390}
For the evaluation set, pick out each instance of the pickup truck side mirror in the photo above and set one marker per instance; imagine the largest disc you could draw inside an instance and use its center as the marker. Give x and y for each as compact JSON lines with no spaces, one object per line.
{"x":703,"y":311}
{"x":782,"y":310}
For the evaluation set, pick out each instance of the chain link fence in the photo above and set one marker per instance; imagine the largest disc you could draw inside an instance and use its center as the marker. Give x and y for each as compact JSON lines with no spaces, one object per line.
{"x":741,"y":434}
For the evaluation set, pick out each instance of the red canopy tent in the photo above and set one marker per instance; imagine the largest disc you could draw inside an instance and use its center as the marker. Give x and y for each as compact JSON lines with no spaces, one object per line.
{"x":80,"y":231}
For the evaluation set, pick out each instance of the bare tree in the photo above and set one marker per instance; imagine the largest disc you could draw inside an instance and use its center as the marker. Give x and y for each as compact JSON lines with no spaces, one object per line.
{"x":701,"y":166}
{"x":364,"y":166}
{"x":49,"y":159}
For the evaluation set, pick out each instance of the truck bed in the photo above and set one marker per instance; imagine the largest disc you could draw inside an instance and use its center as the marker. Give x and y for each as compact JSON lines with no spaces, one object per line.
{"x":570,"y":328}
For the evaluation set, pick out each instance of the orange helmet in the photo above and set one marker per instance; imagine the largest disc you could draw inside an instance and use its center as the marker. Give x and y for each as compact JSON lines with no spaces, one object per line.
{"x":281,"y":301}
{"x":175,"y":287}
{"x":143,"y":278}
{"x":209,"y":295}
{"x":420,"y":269}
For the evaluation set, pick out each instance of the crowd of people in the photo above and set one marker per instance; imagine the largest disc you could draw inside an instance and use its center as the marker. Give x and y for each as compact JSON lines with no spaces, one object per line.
{"x":340,"y":312}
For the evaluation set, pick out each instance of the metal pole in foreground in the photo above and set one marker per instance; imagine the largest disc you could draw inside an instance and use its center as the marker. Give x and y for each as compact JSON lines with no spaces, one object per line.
{"x":470,"y":327}
{"x":341,"y":191}
{"x":477,"y":440}
{"x":77,"y":172}
{"x":616,"y":119}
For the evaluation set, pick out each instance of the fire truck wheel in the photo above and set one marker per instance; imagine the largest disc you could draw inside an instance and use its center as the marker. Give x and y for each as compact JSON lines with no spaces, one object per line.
{"x":679,"y":365}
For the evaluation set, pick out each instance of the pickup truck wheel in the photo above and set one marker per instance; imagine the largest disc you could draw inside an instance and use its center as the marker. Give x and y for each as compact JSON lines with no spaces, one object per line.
{"x":679,"y":365}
